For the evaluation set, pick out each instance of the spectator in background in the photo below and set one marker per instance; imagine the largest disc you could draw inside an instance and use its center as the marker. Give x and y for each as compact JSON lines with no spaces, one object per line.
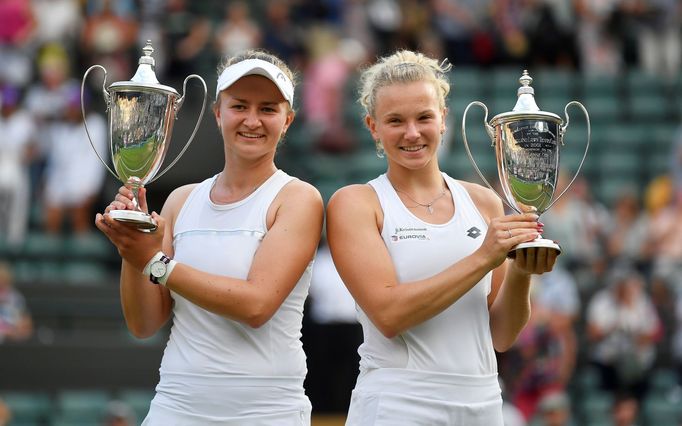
{"x":623,"y":328}
{"x":625,"y":410}
{"x":17,"y":27}
{"x":15,"y":320}
{"x":676,"y":160}
{"x":665,"y":240}
{"x":46,"y":101}
{"x":551,"y":30}
{"x":331,"y":338}
{"x":280,"y":35}
{"x":17,"y":148}
{"x":356,"y":24}
{"x":237,"y":31}
{"x":5,"y":413}
{"x":658,"y":196}
{"x":118,"y":413}
{"x":657,"y":36}
{"x":544,"y":357}
{"x":676,"y":340}
{"x":108,"y":37}
{"x":626,"y":232}
{"x":150,"y":17}
{"x":74,"y":175}
{"x":554,"y":410}
{"x":384,"y":19}
{"x":188,"y":37}
{"x":464,"y":27}
{"x":58,"y":21}
{"x":325,"y":100}
{"x":599,"y":48}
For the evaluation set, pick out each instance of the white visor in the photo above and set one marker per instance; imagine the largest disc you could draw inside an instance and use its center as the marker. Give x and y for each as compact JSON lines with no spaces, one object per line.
{"x":258,"y":67}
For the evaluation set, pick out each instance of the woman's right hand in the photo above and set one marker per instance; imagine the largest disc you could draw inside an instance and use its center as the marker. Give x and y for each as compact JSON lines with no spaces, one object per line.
{"x":505,"y":232}
{"x":124,"y":200}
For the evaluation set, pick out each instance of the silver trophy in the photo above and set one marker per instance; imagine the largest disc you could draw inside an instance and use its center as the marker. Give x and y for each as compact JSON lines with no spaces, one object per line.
{"x":527,"y":144}
{"x":141,"y":115}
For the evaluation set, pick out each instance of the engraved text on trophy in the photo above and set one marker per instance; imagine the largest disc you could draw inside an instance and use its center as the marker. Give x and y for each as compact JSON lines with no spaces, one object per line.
{"x":529,"y":162}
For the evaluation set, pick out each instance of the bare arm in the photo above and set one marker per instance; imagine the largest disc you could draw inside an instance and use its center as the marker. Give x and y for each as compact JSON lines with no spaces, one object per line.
{"x":295,"y":225}
{"x":509,"y":299}
{"x":295,"y":222}
{"x":146,"y":306}
{"x":354,"y":221}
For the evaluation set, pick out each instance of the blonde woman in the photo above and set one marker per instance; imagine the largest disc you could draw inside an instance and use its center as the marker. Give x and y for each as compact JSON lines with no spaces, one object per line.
{"x":231,"y":264}
{"x":424,"y":256}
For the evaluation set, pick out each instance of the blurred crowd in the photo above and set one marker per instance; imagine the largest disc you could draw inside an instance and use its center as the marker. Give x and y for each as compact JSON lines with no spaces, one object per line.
{"x":45,"y":45}
{"x":613,"y":303}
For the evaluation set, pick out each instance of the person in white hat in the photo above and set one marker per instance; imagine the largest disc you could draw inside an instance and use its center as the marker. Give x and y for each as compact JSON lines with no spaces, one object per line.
{"x":231,"y":264}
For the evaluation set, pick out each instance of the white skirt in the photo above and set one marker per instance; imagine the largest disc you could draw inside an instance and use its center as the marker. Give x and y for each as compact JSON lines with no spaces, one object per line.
{"x":191,"y":400}
{"x":394,"y":397}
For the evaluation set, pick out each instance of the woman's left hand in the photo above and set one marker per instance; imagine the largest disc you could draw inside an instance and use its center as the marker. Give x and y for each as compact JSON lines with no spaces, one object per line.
{"x":535,"y":260}
{"x":136,"y":247}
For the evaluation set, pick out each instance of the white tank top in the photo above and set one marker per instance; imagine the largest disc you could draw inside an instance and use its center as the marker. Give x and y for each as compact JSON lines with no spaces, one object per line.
{"x":457,"y":340}
{"x":222,"y":239}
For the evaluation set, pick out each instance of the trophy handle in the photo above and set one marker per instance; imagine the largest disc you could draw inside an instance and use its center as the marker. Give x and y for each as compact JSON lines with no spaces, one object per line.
{"x":491,"y":133}
{"x":564,"y":128}
{"x":176,"y":107}
{"x":107,"y":99}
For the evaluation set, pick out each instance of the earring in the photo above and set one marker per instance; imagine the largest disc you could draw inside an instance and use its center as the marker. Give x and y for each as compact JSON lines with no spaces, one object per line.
{"x":380,"y":149}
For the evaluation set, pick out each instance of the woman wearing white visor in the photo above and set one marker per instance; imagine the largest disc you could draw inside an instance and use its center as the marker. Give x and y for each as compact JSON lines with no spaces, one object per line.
{"x":235,"y":256}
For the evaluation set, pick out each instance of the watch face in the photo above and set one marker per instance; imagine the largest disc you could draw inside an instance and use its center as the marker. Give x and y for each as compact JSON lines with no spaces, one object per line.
{"x":158,"y":269}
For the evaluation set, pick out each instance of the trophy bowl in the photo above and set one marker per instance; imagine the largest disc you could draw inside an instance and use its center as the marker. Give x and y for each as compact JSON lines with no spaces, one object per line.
{"x":527,"y":145}
{"x":141,"y":117}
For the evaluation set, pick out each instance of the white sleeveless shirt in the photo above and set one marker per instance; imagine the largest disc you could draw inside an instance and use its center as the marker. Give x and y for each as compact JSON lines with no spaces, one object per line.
{"x":210,"y":356}
{"x":457,"y":340}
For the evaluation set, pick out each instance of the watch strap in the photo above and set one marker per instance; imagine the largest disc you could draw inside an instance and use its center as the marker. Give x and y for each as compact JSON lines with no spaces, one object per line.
{"x":170,"y":264}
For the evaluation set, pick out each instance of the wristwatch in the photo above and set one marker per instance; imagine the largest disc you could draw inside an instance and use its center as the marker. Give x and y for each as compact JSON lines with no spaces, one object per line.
{"x":158,"y":269}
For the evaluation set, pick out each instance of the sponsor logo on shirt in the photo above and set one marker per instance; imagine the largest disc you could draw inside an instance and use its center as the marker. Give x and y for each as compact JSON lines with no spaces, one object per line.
{"x":410,"y":234}
{"x":473,"y":232}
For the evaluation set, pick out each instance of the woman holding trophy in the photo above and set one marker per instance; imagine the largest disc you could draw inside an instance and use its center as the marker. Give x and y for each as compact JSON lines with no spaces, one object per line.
{"x":231,"y":263}
{"x":425,"y":257}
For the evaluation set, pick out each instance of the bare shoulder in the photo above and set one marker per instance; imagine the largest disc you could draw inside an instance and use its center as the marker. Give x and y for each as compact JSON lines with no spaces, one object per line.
{"x":177,"y":198}
{"x":353,"y":197}
{"x":485,"y":199}
{"x":298,"y":191}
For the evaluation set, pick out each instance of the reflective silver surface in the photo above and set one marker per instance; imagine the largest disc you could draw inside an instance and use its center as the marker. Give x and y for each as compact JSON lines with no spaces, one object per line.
{"x":527,"y":154}
{"x":527,"y":145}
{"x":141,"y":116}
{"x":140,"y":124}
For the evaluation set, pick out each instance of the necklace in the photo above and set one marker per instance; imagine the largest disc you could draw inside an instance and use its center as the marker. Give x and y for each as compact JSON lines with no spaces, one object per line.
{"x":429,"y":206}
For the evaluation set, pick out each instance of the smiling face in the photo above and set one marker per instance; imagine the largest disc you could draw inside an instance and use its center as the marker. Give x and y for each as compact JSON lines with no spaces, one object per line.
{"x":409,"y":122}
{"x":252,"y":117}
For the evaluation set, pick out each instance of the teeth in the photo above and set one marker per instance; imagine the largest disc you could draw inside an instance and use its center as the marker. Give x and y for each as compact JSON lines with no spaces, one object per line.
{"x":250,"y":135}
{"x":412,"y":148}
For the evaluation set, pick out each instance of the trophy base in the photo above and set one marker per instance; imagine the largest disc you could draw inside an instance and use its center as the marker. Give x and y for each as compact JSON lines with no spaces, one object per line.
{"x":140,"y":220}
{"x":537,"y":243}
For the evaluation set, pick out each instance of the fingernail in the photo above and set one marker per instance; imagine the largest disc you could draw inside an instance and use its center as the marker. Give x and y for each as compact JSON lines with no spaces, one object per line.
{"x":541,"y":224}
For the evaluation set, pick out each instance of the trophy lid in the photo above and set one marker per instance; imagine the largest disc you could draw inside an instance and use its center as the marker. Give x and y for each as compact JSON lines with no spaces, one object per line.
{"x":145,"y":77}
{"x":526,"y":95}
{"x":525,"y":104}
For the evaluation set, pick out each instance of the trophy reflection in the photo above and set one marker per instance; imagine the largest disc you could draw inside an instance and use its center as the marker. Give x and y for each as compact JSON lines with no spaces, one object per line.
{"x":141,"y":113}
{"x":527,"y":145}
